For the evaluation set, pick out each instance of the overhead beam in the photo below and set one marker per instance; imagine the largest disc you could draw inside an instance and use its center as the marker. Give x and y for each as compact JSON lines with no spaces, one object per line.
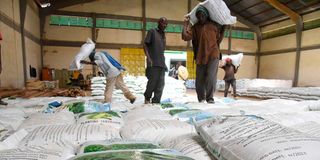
{"x":283,"y":51}
{"x":284,"y":9}
{"x":266,"y":10}
{"x":243,"y":20}
{"x":310,"y":8}
{"x":297,"y":19}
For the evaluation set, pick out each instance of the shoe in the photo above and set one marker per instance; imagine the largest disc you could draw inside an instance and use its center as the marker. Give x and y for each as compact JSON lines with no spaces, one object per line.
{"x":210,"y":101}
{"x":3,"y":103}
{"x":132,"y":100}
{"x":147,"y":102}
{"x":201,"y":101}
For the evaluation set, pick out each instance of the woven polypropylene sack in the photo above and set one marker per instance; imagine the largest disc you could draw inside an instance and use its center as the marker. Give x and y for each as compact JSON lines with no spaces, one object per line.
{"x":218,"y":11}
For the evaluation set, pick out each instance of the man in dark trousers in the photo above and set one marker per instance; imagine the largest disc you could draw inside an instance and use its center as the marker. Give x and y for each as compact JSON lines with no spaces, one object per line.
{"x":206,"y":35}
{"x":154,"y":46}
{"x":1,"y":102}
{"x":229,"y":78}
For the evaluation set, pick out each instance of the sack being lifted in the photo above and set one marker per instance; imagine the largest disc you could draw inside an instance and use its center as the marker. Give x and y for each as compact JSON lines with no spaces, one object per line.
{"x":236,"y":59}
{"x":218,"y":11}
{"x":84,"y":53}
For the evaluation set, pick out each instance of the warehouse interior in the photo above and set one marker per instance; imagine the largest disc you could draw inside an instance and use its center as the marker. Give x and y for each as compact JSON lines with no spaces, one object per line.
{"x":277,"y":82}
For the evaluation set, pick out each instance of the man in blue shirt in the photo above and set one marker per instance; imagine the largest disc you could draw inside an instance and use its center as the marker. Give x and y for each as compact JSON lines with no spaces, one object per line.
{"x":112,"y":70}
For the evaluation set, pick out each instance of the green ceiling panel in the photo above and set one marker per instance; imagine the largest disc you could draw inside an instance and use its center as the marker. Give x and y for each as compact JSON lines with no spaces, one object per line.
{"x":100,"y":23}
{"x":64,"y":21}
{"x":136,"y":25}
{"x":55,"y":20}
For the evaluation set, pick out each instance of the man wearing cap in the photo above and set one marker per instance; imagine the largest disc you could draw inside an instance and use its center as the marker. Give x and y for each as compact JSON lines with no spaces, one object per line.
{"x":206,"y":35}
{"x":229,"y":78}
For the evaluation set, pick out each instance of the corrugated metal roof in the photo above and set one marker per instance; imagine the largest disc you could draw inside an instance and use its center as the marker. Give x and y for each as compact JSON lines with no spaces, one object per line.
{"x":262,"y":13}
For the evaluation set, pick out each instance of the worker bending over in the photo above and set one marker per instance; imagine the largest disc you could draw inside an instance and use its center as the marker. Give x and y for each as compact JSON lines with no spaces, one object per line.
{"x":112,"y":70}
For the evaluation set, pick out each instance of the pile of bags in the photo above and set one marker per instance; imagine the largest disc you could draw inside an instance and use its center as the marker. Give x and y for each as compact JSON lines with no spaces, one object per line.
{"x":137,"y":85}
{"x":82,"y":128}
{"x":98,"y":86}
{"x":245,"y":85}
{"x":243,"y":137}
{"x":296,"y":93}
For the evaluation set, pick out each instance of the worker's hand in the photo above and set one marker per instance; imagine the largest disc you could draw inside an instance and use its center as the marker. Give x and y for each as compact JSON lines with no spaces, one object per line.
{"x":186,"y":20}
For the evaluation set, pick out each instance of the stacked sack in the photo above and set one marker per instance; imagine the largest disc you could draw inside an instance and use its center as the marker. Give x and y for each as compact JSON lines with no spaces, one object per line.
{"x":98,"y":85}
{"x":137,"y":85}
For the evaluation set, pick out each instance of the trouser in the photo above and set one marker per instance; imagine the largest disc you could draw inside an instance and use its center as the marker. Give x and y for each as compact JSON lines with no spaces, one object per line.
{"x":155,"y":84}
{"x":227,"y":86}
{"x":118,"y":83}
{"x":206,"y":79}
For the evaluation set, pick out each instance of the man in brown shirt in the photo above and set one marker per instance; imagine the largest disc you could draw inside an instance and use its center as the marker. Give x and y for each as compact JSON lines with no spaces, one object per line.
{"x":206,"y":36}
{"x":229,"y":78}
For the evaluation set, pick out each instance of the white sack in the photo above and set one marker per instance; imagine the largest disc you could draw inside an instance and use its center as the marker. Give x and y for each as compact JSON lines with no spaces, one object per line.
{"x":218,"y":11}
{"x":236,"y":59}
{"x":11,"y":139}
{"x":155,"y":130}
{"x":146,"y":112}
{"x":136,"y":154}
{"x":116,"y":144}
{"x":68,"y":136}
{"x":239,"y":138}
{"x":110,"y":118}
{"x":34,"y":153}
{"x":44,"y":119}
{"x":291,"y":119}
{"x":310,"y":127}
{"x":84,"y":53}
{"x":190,"y":145}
